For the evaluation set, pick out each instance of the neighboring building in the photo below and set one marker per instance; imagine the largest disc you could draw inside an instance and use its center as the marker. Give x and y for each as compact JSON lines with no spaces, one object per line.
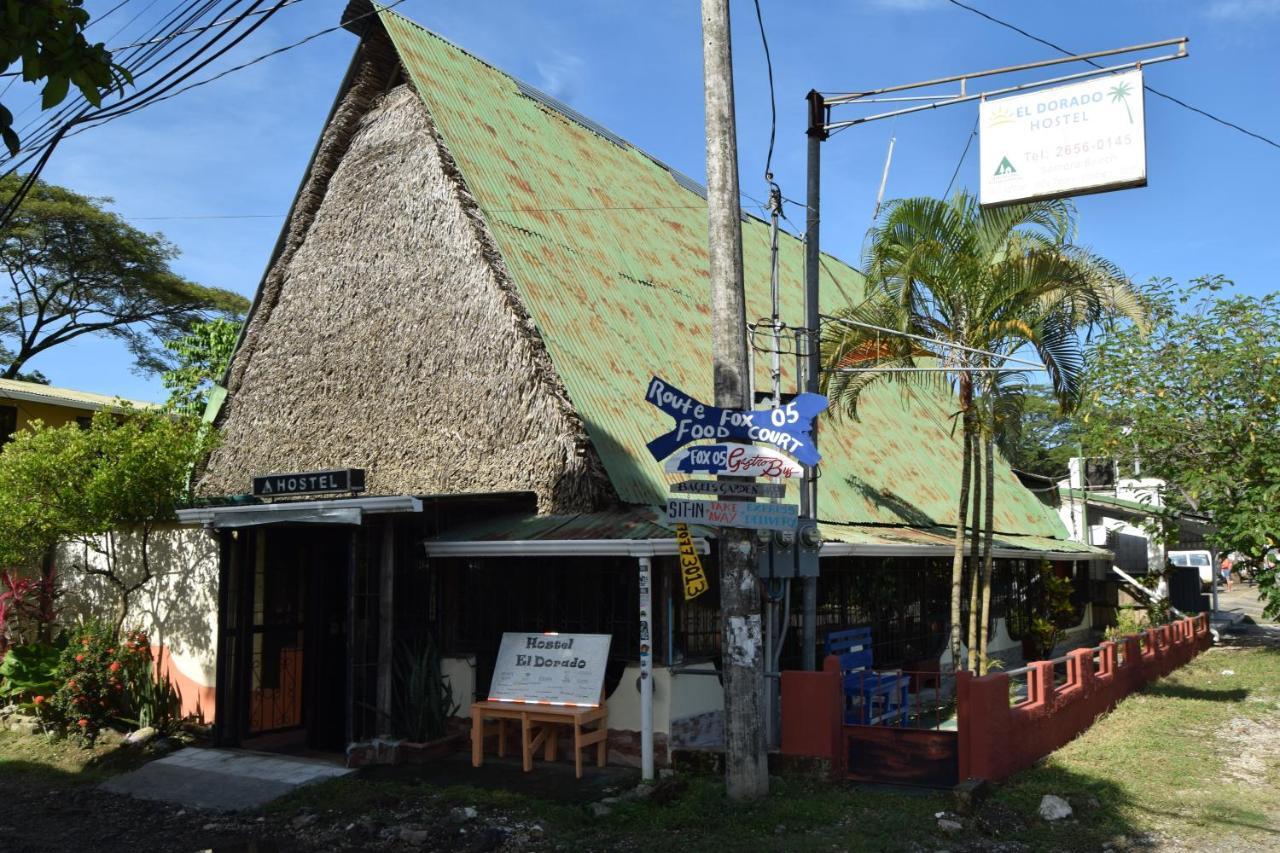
{"x":1125,"y":515}
{"x":22,"y":403}
{"x":472,"y":291}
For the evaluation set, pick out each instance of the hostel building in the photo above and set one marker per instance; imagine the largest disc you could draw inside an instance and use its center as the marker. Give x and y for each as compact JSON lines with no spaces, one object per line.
{"x":473,"y":289}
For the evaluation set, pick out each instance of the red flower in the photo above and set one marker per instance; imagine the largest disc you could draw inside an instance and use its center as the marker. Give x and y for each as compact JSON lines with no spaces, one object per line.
{"x":111,"y":651}
{"x":82,"y":722}
{"x":115,"y":666}
{"x":79,"y":658}
{"x":71,"y":682}
{"x":39,"y":700}
{"x":84,"y":643}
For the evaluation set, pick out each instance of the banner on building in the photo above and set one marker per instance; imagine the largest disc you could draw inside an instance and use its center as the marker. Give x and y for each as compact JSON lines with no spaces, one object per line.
{"x":1080,"y":138}
{"x":691,"y":572}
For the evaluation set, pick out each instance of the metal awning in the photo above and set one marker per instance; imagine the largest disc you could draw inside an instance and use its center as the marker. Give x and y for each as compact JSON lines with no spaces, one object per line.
{"x":337,"y":511}
{"x":627,"y":532}
{"x":868,"y":540}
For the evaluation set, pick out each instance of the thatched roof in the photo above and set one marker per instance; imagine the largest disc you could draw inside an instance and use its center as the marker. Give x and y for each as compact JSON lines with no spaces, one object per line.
{"x":386,"y":336}
{"x":539,"y":259}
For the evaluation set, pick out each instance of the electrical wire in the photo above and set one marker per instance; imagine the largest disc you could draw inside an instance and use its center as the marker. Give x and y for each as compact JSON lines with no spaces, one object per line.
{"x":146,"y":94}
{"x":1157,"y":92}
{"x":243,"y":65}
{"x":963,"y":154}
{"x":773,"y":100}
{"x":200,"y":29}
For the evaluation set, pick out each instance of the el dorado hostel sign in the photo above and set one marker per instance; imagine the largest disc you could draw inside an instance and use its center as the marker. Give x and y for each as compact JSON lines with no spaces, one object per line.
{"x":550,"y":669}
{"x":1069,"y":140}
{"x":309,"y":483}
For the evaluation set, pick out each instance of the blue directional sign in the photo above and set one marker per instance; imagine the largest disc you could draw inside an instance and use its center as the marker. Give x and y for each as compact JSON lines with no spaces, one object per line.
{"x":789,"y":427}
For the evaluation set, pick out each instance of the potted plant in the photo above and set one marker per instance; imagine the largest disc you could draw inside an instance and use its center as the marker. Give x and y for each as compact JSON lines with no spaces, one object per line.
{"x":423,"y":704}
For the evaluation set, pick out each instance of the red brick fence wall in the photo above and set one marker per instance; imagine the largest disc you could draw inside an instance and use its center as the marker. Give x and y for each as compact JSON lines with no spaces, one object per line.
{"x":997,"y":740}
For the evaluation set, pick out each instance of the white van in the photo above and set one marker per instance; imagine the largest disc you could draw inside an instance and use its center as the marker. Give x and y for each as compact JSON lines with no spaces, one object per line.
{"x":1202,"y":560}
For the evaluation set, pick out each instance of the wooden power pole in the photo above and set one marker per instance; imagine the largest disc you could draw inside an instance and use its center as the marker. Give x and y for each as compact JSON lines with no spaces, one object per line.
{"x":745,"y":757}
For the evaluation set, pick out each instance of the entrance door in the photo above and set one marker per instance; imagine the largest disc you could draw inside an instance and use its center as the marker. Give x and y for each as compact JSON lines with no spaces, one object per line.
{"x":292,"y":672}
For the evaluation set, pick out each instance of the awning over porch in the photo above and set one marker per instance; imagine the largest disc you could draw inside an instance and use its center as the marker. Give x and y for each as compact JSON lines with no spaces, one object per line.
{"x":632,"y":531}
{"x":338,"y":511}
{"x":882,"y":541}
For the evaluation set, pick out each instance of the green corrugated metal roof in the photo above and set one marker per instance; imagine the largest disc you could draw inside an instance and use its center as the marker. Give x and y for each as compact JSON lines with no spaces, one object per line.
{"x":609,"y":255}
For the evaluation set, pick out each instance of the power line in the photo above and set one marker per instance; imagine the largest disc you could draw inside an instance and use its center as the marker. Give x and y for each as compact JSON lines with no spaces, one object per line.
{"x":1167,"y":97}
{"x":241,"y":66}
{"x":963,"y":154}
{"x":199,"y":29}
{"x":773,"y":101}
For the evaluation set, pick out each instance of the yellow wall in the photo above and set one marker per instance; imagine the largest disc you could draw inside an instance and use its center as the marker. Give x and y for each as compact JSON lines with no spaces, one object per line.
{"x":52,"y":415}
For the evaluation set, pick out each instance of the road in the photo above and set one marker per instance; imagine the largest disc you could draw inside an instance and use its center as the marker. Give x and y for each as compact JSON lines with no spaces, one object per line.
{"x":1243,"y":598}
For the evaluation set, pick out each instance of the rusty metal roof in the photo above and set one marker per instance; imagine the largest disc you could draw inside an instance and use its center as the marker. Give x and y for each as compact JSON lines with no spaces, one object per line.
{"x":607,"y":248}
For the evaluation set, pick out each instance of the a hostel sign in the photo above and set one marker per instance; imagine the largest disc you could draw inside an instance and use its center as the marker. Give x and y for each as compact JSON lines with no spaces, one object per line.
{"x":789,"y":427}
{"x":550,"y":669}
{"x":309,"y":483}
{"x":1082,"y":138}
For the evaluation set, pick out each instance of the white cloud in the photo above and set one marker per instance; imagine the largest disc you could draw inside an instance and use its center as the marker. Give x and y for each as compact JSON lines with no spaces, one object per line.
{"x":561,"y":75}
{"x":1242,"y":10}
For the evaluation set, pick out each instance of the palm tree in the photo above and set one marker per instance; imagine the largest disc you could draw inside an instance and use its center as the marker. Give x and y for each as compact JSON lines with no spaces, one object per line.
{"x":966,"y":278}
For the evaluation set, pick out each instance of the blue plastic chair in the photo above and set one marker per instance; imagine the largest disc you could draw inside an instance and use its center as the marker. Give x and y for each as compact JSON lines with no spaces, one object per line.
{"x":870,"y":697}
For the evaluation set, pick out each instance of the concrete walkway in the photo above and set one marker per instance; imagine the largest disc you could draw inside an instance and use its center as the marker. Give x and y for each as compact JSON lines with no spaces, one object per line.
{"x":222,"y":779}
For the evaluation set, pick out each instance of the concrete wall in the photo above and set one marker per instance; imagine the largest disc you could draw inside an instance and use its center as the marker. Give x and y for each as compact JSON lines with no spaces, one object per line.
{"x":178,"y":608}
{"x":461,"y":672}
{"x":997,"y":740}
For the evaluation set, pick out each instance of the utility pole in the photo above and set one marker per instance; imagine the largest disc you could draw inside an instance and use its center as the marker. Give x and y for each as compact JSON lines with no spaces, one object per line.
{"x":812,"y":356}
{"x":746,"y":767}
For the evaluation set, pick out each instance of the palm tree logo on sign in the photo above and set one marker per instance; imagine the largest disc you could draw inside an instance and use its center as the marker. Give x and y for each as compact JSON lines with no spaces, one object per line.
{"x":1120,"y":95}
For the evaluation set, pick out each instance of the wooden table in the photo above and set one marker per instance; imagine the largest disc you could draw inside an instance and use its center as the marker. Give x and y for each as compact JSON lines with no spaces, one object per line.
{"x":539,"y":728}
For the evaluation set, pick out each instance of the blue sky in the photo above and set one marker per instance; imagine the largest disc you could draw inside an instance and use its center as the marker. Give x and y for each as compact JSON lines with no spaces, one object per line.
{"x":237,"y":147}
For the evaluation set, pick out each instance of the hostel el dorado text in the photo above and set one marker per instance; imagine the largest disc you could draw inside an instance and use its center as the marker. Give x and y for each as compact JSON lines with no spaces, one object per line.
{"x":554,"y":663}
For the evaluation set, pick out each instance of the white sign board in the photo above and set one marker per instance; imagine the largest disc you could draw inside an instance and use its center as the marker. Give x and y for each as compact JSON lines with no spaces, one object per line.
{"x":1069,"y":140}
{"x":550,"y":669}
{"x":738,"y":460}
{"x":752,"y":516}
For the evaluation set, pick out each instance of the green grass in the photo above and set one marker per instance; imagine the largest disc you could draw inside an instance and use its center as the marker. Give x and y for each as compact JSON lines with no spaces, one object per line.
{"x":55,"y":759}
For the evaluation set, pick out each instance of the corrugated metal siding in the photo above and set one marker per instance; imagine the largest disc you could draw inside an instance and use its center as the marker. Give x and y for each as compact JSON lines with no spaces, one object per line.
{"x":608,"y":252}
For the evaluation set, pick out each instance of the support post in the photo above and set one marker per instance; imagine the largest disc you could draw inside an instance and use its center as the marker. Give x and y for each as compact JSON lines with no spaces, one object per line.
{"x":812,"y":359}
{"x":386,"y":623}
{"x":646,"y":669}
{"x":746,"y":764}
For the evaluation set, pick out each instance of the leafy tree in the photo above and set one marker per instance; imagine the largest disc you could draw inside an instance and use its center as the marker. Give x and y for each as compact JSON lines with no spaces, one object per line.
{"x":1196,"y":402}
{"x":76,"y":269}
{"x":996,"y":279}
{"x":1038,"y":437}
{"x":200,"y":360}
{"x":48,"y":36}
{"x":105,"y":489}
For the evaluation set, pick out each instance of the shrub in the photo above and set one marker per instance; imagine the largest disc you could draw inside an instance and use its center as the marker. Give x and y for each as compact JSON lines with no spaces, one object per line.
{"x":28,"y":671}
{"x":92,"y":675}
{"x":424,"y":696}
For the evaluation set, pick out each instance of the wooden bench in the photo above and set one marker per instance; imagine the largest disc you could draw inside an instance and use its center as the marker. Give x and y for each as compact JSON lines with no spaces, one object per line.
{"x":539,"y":728}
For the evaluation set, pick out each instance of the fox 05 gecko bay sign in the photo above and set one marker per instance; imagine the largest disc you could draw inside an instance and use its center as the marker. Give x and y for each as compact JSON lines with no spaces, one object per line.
{"x":1069,"y":140}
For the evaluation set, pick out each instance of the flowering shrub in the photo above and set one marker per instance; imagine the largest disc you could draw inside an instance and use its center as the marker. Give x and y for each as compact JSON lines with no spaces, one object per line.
{"x":92,"y":676}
